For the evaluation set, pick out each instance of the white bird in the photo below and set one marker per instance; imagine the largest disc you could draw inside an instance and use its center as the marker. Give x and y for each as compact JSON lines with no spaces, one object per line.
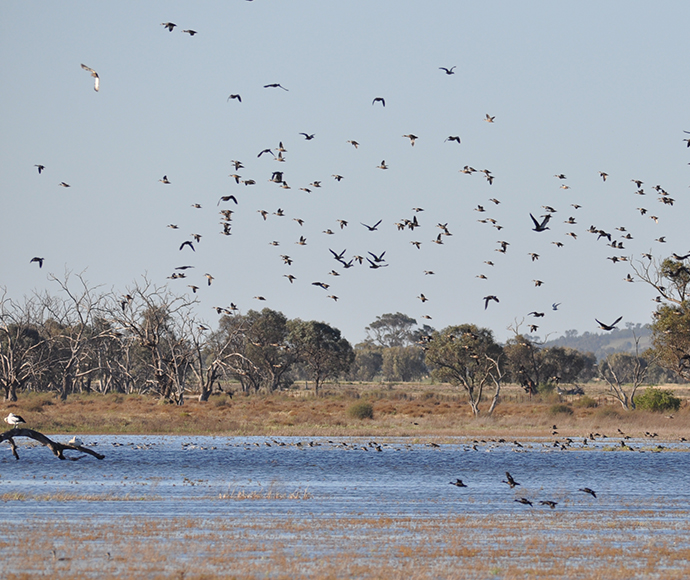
{"x":94,"y":74}
{"x":76,"y":441}
{"x":14,"y":420}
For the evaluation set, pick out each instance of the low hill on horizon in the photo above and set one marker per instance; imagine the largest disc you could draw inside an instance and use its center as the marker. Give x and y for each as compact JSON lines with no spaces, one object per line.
{"x":604,"y":343}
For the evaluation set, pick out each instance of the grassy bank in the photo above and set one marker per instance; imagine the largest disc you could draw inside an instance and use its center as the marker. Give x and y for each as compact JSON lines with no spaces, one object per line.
{"x":398,"y":410}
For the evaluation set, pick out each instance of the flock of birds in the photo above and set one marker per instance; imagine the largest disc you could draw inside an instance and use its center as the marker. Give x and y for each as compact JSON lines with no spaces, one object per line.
{"x":376,"y":260}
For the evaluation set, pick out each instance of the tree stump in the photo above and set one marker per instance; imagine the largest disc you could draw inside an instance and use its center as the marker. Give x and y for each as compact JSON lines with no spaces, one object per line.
{"x":58,"y":449}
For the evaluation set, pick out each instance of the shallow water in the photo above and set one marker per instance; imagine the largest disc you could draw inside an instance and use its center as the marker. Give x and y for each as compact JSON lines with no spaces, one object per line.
{"x":186,"y":476}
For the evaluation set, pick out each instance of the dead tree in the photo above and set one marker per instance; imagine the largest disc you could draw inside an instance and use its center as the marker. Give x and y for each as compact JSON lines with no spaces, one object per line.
{"x":58,"y":449}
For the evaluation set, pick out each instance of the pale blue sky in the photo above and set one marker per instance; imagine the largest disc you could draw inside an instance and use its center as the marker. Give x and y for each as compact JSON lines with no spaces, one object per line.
{"x":575,"y":88}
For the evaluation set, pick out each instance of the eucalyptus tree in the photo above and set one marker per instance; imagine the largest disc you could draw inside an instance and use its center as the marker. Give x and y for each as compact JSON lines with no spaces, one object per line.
{"x":670,"y":278}
{"x":321,"y":348}
{"x":467,"y":356}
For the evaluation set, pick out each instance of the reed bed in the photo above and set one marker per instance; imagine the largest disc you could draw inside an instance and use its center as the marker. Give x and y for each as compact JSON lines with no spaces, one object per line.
{"x":530,"y":544}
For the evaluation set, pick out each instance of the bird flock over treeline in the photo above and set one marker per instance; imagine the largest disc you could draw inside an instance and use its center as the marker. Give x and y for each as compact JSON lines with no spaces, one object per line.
{"x":270,"y":167}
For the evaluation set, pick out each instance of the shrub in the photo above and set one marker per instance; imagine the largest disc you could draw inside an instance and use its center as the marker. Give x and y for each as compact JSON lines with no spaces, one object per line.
{"x":586,"y":402}
{"x":560,"y":409}
{"x":657,"y":400}
{"x":361,"y":411}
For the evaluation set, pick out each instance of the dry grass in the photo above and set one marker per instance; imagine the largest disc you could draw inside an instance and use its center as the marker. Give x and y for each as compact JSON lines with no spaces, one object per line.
{"x":399,"y":410}
{"x":529,"y":544}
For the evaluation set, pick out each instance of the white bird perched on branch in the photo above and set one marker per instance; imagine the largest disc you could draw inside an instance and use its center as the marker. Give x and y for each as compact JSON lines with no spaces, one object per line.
{"x":14,"y":420}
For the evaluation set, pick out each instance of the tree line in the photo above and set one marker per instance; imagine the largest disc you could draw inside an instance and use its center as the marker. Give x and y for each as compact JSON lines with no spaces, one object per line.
{"x":150,"y":340}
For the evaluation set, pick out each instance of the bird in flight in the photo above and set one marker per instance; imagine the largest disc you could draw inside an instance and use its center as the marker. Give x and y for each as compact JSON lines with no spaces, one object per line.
{"x":238,"y":97}
{"x":609,"y":326}
{"x":63,"y":184}
{"x":511,"y":482}
{"x":227,"y":198}
{"x":379,"y":100}
{"x":524,"y":500}
{"x":308,"y":136}
{"x":94,"y":74}
{"x":458,"y":483}
{"x":487,"y":299}
{"x":40,"y":168}
{"x":383,"y":165}
{"x":489,"y":119}
{"x":448,"y":71}
{"x":412,"y":138}
{"x":190,"y":32}
{"x":548,"y":502}
{"x":187,"y":243}
{"x":455,"y":138}
{"x":275,"y":86}
{"x":165,"y":180}
{"x":589,"y":491}
{"x":39,"y":260}
{"x":355,"y":144}
{"x":372,"y":228}
{"x":169,"y":25}
{"x":540,"y":227}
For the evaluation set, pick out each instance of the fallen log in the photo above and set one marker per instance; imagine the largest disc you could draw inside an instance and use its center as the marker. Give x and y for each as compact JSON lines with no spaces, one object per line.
{"x":58,"y":449}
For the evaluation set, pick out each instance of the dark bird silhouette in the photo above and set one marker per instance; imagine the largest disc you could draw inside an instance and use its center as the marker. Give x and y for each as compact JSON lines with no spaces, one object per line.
{"x":511,"y":482}
{"x":169,"y":25}
{"x":63,"y":184}
{"x":275,"y":86}
{"x":308,"y":136}
{"x":377,"y":259}
{"x":238,"y":97}
{"x":372,"y":228}
{"x":589,"y":491}
{"x":540,"y":227}
{"x":609,"y":326}
{"x":379,"y":100}
{"x":40,"y":168}
{"x":448,"y":71}
{"x":187,"y":243}
{"x":452,"y":138}
{"x":39,"y":260}
{"x":457,"y":483}
{"x":489,"y":298}
{"x":165,"y":180}
{"x":548,"y":502}
{"x":227,"y":198}
{"x":190,"y":32}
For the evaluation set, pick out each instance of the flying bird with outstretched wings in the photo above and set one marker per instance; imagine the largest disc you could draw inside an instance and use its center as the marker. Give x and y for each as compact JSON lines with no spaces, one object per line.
{"x":94,"y":74}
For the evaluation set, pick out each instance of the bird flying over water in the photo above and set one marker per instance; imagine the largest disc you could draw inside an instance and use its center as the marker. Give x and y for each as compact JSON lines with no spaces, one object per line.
{"x":511,"y":482}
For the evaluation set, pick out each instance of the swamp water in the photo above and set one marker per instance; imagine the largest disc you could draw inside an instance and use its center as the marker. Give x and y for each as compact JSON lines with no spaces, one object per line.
{"x":259,"y":489}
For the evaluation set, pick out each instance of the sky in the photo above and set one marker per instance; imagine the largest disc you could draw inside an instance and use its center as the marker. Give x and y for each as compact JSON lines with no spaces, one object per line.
{"x":574,"y":88}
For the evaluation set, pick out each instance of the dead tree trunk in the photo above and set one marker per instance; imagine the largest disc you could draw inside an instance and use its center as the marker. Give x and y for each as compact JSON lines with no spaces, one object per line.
{"x":58,"y":449}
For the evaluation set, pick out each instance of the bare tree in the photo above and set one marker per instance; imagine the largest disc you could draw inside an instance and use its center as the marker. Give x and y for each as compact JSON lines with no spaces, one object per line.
{"x":71,"y":331}
{"x":22,"y":347}
{"x":156,"y":319}
{"x":620,"y":369}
